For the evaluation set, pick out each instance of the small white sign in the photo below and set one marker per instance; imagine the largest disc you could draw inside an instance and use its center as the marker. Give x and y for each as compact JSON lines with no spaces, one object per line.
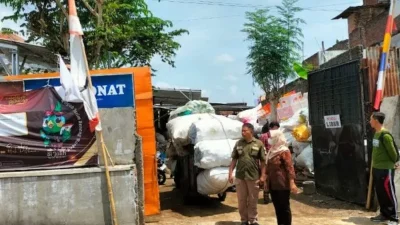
{"x":332,"y":121}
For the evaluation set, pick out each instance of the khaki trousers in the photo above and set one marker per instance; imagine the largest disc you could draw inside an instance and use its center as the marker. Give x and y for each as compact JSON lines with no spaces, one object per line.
{"x":247,"y":192}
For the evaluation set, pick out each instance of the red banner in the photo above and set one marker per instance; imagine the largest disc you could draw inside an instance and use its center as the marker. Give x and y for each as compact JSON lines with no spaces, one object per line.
{"x":39,"y":130}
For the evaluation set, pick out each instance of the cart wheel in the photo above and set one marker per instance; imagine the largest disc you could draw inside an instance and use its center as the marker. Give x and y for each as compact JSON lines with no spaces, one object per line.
{"x":161,"y":178}
{"x":222,"y":197}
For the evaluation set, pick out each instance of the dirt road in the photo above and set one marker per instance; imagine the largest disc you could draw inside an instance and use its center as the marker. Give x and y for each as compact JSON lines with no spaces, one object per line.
{"x":307,"y":210}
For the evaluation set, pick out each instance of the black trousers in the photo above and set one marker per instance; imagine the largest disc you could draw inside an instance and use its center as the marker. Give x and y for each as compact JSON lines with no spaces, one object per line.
{"x":386,"y":193}
{"x":281,"y":201}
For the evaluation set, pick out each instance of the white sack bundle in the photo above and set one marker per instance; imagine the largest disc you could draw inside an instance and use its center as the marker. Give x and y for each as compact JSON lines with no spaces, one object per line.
{"x":213,"y":181}
{"x":215,"y":128}
{"x":215,"y":153}
{"x":178,"y":128}
{"x":298,"y":147}
{"x":306,"y":159}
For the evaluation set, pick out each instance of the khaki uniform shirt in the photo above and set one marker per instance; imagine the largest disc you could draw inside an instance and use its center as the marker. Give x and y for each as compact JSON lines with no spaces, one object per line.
{"x":248,"y":155}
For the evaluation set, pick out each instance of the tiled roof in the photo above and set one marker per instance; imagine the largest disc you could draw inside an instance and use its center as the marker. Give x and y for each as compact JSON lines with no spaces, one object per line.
{"x":11,"y":37}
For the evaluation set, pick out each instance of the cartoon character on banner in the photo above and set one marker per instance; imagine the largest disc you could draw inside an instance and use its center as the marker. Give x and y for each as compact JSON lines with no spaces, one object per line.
{"x":54,"y":128}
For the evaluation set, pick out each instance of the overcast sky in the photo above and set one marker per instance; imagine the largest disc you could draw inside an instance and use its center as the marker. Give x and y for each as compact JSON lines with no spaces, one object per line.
{"x":213,"y":55}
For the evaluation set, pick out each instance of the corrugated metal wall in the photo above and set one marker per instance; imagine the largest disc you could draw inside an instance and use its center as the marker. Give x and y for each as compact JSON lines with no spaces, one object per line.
{"x":371,"y":63}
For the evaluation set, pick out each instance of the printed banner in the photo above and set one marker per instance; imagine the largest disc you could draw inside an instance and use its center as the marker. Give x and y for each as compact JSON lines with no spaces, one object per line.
{"x":112,"y":91}
{"x":11,"y":87}
{"x":39,"y":130}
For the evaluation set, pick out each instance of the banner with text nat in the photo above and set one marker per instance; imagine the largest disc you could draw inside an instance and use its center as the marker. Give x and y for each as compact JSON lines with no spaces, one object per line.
{"x":112,"y":91}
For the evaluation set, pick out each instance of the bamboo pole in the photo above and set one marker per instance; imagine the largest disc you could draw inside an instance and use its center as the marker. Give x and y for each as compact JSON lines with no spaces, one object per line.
{"x":370,"y":187}
{"x":108,"y":154}
{"x":109,"y":184}
{"x":102,"y":144}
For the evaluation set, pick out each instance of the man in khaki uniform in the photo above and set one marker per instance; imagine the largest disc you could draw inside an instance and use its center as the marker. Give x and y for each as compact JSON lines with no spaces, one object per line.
{"x":247,"y":156}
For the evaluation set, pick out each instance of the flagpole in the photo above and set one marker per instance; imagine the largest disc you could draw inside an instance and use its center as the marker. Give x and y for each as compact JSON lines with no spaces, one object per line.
{"x":75,"y":29}
{"x":100,"y":134}
{"x":384,"y":56}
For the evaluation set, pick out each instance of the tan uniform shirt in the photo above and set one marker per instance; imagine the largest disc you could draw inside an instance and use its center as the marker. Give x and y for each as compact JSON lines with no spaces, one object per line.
{"x":248,"y":155}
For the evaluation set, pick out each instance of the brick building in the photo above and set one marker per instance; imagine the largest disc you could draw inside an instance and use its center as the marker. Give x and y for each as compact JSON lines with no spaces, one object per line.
{"x":367,"y":23}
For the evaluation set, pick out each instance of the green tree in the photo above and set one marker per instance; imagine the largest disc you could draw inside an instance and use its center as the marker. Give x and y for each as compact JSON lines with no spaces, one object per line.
{"x":275,"y":42}
{"x":117,"y":33}
{"x":287,"y":18}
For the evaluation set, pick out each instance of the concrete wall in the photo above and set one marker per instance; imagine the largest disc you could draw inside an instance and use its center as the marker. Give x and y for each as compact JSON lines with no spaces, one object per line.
{"x":298,"y":85}
{"x":67,"y":197}
{"x":391,"y":107}
{"x":124,"y":146}
{"x":352,"y":54}
{"x":119,"y":127}
{"x":328,"y":55}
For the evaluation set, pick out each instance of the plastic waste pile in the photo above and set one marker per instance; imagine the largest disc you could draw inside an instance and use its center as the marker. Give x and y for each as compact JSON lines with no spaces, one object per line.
{"x":255,"y":116}
{"x":298,"y":134}
{"x":213,"y":138}
{"x":293,"y":116}
{"x":192,"y":107}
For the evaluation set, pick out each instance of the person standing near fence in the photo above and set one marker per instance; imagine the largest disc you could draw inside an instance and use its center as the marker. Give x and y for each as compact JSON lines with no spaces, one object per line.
{"x":264,"y":138}
{"x":385,"y":155}
{"x":280,"y":176}
{"x":248,"y":157}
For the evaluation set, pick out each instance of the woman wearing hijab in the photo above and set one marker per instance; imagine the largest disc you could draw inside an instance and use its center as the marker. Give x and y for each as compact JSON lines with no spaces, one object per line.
{"x":264,"y":138}
{"x":280,"y":176}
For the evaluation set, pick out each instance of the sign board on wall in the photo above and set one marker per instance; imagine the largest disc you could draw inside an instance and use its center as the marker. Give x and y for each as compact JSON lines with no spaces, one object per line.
{"x":332,"y":121}
{"x":39,"y":130}
{"x":25,"y":143}
{"x":112,"y":91}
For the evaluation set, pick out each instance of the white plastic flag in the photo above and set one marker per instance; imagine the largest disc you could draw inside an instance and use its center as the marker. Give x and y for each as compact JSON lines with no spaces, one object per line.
{"x":79,"y":70}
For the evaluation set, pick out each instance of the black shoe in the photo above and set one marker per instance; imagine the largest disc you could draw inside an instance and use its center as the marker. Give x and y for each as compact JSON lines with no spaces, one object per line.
{"x":244,"y":223}
{"x":379,"y":218}
{"x":267,"y":201}
{"x":255,"y":223}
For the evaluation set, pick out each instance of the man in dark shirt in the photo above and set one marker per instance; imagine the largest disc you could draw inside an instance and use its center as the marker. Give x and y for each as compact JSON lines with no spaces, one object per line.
{"x":248,"y":156}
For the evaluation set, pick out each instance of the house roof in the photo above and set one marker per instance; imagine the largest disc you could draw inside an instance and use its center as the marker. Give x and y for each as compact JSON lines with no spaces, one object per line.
{"x":353,"y":9}
{"x":11,"y":37}
{"x":233,"y":106}
{"x":229,"y":104}
{"x":34,"y":53}
{"x":176,"y":97}
{"x":217,"y":106}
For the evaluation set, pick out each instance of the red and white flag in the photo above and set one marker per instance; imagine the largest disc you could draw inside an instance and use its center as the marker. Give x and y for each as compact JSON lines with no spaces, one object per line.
{"x":79,"y":69}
